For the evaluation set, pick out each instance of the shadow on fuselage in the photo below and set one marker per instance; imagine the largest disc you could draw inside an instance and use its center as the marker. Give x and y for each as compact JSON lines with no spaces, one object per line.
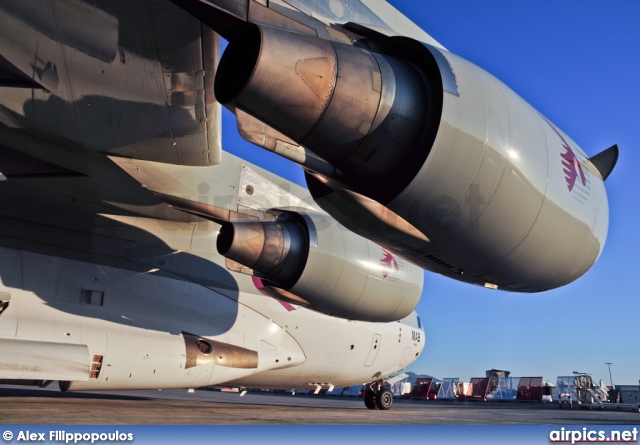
{"x":62,"y":251}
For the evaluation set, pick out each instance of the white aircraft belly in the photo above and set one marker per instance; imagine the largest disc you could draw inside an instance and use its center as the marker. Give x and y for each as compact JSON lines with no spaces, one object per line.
{"x":138,"y":327}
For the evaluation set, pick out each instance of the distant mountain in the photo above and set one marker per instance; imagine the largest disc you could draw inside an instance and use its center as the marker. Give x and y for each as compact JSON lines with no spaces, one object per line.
{"x":413,"y":376}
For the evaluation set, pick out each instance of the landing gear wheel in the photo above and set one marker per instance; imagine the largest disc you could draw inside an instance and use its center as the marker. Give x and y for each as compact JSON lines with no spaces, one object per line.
{"x":384,"y":399}
{"x":377,"y":396}
{"x":370,"y":399}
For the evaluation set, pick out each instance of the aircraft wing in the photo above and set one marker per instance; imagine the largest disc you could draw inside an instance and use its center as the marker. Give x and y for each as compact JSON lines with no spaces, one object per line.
{"x":111,"y":172}
{"x":374,"y":14}
{"x":80,"y":83}
{"x":117,"y":203}
{"x":404,"y":143}
{"x":134,"y":81}
{"x":408,"y":144}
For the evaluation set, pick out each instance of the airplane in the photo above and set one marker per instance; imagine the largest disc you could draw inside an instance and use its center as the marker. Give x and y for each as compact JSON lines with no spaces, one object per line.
{"x":136,"y":254}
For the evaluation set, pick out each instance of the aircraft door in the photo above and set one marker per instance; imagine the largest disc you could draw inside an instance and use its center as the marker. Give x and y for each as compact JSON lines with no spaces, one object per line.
{"x":406,"y":357}
{"x":373,"y":352}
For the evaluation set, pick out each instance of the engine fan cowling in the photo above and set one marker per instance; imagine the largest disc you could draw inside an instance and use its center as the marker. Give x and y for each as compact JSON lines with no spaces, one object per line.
{"x":494,"y":195}
{"x":336,"y":271}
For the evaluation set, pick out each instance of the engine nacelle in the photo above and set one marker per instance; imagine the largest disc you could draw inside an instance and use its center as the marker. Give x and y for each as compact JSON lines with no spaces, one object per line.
{"x":336,"y":271}
{"x":505,"y":198}
{"x":363,"y":112}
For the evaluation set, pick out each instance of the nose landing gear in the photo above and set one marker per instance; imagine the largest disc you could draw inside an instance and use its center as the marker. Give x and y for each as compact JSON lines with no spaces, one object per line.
{"x":377,"y":396}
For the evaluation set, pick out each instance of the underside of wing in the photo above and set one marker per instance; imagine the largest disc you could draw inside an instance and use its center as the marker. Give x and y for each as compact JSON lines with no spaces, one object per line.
{"x":134,"y":80}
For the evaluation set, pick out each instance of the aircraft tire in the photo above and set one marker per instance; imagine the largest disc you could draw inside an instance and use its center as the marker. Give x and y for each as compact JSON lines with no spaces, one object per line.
{"x":370,"y":399}
{"x":384,"y":399}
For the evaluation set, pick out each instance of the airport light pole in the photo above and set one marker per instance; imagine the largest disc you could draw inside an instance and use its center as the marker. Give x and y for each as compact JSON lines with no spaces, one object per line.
{"x":610,"y":378}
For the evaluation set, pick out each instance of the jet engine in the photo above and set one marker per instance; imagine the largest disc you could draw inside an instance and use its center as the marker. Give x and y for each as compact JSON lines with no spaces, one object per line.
{"x":321,"y":263}
{"x":363,"y":112}
{"x":505,"y":199}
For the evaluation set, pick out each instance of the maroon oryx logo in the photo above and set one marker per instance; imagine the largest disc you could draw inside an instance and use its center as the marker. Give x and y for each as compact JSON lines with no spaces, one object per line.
{"x":389,"y":263}
{"x":572,"y":167}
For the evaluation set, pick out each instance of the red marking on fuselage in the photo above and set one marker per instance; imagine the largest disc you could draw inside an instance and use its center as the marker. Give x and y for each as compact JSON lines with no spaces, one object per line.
{"x":259,"y":284}
{"x":286,"y":305}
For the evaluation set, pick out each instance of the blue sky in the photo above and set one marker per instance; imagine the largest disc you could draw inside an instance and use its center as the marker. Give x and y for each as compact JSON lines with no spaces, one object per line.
{"x":578,"y":63}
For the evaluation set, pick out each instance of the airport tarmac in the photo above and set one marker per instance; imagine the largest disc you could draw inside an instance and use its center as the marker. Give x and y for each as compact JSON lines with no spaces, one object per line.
{"x":25,"y":405}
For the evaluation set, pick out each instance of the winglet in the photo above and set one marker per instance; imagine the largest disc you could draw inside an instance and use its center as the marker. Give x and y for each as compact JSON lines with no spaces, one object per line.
{"x":605,"y":161}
